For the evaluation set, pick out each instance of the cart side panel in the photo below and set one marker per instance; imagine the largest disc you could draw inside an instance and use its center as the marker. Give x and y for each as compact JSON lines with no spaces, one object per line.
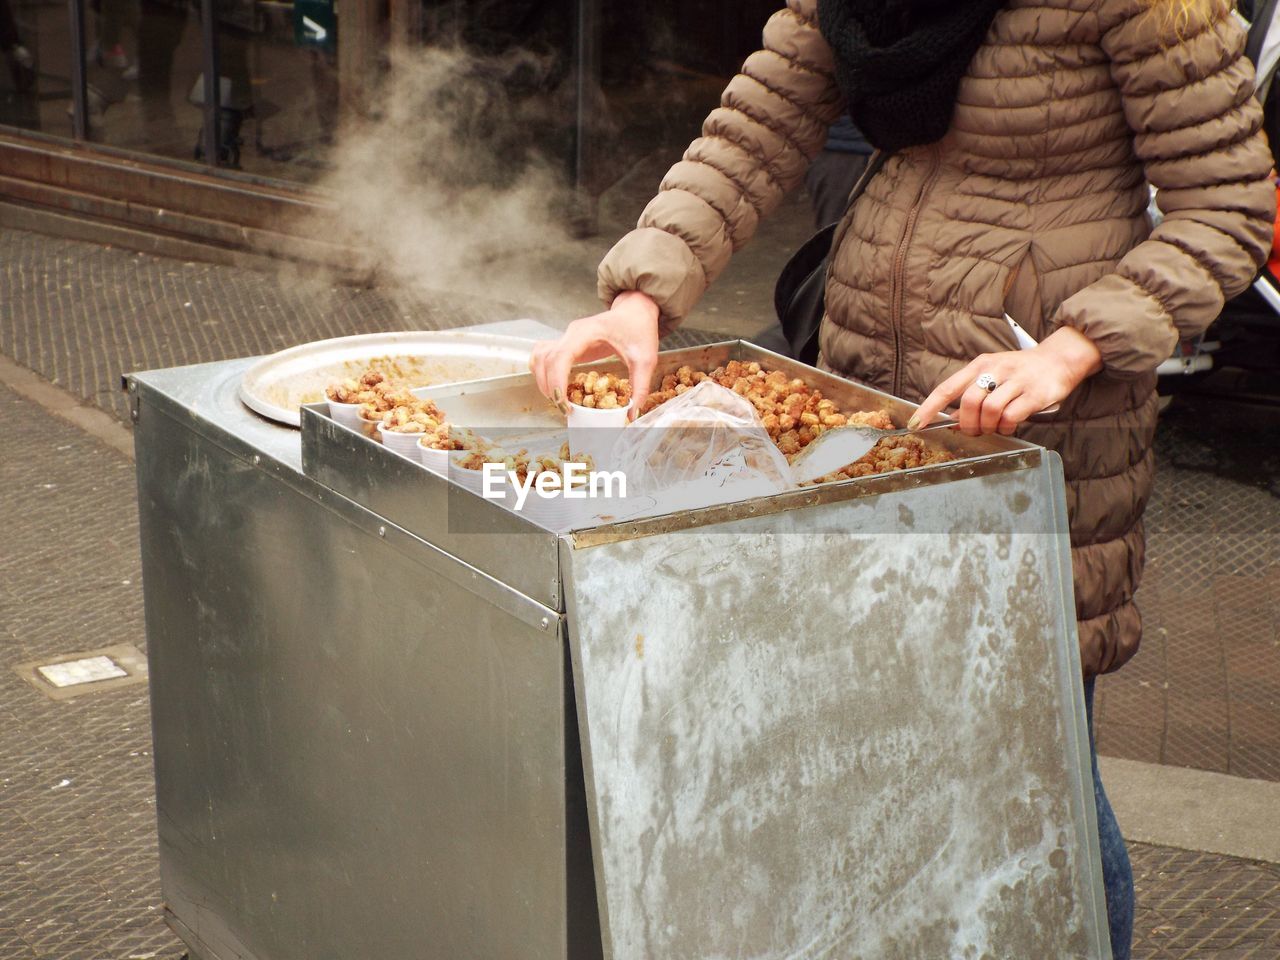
{"x":356,"y":756}
{"x":483,"y":534}
{"x":853,"y":729}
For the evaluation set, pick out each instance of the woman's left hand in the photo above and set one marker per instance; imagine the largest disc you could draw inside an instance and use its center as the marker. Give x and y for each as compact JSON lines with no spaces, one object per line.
{"x":1027,"y":381}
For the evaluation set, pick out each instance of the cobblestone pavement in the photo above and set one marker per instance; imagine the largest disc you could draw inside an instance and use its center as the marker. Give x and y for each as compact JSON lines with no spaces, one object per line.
{"x":81,"y":314}
{"x":77,"y":817}
{"x":77,"y":838}
{"x":1204,"y":688}
{"x":1197,"y":905}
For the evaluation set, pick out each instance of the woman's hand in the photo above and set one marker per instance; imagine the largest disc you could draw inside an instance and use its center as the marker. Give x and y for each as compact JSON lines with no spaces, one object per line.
{"x":629,"y":329}
{"x":1028,"y":382}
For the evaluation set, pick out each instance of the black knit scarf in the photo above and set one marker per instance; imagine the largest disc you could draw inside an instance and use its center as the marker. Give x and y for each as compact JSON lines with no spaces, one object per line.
{"x":899,"y":62}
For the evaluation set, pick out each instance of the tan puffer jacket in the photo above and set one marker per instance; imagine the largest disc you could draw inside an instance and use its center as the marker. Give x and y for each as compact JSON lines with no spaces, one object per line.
{"x":1039,"y":188}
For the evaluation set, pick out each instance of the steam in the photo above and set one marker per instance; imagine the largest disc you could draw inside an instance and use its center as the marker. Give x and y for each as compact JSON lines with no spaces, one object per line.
{"x":458,"y":184}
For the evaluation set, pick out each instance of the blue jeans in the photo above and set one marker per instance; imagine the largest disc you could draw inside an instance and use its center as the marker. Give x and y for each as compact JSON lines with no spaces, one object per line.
{"x":1117,"y":874}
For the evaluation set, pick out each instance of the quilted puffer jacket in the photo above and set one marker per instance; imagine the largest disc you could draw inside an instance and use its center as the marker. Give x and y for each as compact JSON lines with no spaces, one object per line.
{"x":1035,"y":203}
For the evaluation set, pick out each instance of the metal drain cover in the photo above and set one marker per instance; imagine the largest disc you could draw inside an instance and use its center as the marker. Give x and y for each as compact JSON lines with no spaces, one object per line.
{"x":87,"y":670}
{"x":94,"y":671}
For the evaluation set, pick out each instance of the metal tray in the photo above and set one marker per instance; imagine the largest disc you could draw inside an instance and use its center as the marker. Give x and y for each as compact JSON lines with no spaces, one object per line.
{"x":512,"y":403}
{"x":276,"y":386}
{"x":422,"y":503}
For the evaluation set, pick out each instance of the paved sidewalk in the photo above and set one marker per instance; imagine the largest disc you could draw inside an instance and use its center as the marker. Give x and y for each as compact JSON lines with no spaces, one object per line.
{"x":78,"y":874}
{"x":1204,"y":688}
{"x":1196,"y":906}
{"x":80,"y":314}
{"x":77,"y":839}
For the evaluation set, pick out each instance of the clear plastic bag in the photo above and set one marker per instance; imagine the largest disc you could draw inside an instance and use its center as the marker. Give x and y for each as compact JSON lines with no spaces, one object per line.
{"x":703,"y":447}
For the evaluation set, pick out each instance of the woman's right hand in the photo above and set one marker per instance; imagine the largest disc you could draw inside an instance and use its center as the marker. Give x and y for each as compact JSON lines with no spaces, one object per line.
{"x":629,"y":328}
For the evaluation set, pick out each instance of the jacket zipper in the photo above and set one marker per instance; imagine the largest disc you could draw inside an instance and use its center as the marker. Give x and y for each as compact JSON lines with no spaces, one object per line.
{"x":897,"y":278}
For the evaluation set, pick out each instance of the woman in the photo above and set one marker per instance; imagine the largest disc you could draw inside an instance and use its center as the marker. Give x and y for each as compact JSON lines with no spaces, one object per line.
{"x":1021,"y":137}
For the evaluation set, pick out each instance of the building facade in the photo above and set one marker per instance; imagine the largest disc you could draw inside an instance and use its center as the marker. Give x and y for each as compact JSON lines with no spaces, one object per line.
{"x":108,"y":128}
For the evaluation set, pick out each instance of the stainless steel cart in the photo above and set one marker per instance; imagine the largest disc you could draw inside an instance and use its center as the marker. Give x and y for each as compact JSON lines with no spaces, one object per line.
{"x":393,"y":719}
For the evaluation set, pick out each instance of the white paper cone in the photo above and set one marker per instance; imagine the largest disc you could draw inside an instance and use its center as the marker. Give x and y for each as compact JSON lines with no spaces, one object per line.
{"x":594,"y":432}
{"x":472,"y":480}
{"x":347,"y":414}
{"x":405,"y":444}
{"x":434,"y":460}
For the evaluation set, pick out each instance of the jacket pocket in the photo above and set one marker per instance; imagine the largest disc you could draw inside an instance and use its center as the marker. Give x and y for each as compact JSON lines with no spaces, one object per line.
{"x":1023,"y":300}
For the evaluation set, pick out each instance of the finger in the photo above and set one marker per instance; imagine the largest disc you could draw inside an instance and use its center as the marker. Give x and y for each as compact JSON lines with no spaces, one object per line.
{"x":598,"y":351}
{"x":932,"y":405}
{"x":538,"y":365}
{"x":1017,"y":412}
{"x":558,"y":365}
{"x":640,"y":368}
{"x":949,"y":392}
{"x":970,"y":416}
{"x":994,"y":404}
{"x":584,"y":341}
{"x":943,"y":395}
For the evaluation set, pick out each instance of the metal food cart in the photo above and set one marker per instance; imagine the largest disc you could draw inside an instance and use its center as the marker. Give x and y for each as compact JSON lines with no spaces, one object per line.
{"x":394,"y":719}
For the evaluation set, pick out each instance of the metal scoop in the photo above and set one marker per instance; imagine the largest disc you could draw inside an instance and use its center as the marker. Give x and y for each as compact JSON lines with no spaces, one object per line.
{"x":840,"y":446}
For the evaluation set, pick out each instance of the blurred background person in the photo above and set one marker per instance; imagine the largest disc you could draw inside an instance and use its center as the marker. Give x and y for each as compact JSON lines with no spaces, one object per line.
{"x":21,"y":62}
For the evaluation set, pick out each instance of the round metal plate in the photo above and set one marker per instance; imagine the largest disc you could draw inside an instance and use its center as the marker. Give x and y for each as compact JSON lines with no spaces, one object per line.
{"x":277,"y":385}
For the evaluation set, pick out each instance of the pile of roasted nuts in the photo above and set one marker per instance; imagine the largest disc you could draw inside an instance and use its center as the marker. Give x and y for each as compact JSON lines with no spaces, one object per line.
{"x":794,"y":414}
{"x":390,"y":403}
{"x":521,"y":463}
{"x":599,"y":391}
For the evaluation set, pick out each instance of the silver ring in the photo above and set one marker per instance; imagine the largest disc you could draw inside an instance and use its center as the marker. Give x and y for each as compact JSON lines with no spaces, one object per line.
{"x":986,"y":382}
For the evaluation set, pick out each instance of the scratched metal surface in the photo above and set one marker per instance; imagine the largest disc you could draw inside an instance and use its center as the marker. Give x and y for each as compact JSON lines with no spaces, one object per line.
{"x":360,"y":741}
{"x":853,"y":730}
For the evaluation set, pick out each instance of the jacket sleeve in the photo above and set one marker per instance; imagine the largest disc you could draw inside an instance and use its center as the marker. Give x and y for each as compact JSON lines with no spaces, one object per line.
{"x":1187,"y":93}
{"x":771,"y":122}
